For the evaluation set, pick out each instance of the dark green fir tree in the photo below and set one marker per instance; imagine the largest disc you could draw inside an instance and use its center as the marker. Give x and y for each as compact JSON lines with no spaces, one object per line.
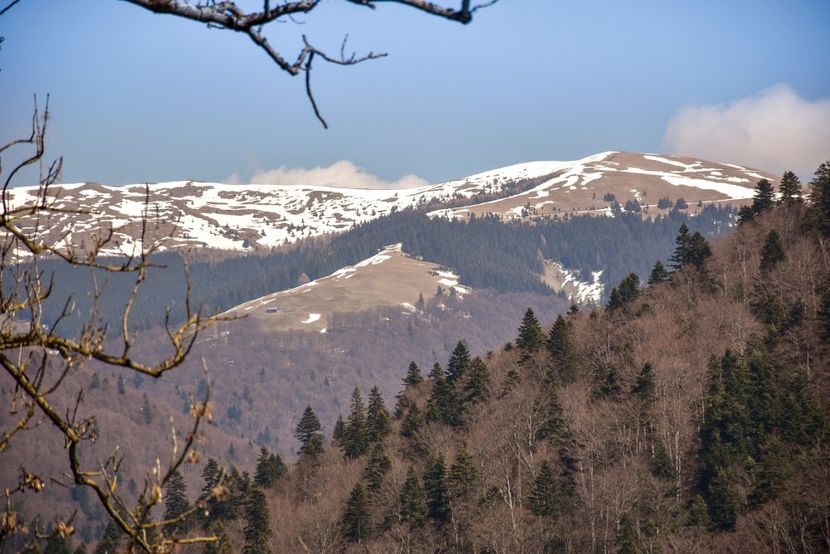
{"x":378,"y":424}
{"x":790,"y":188}
{"x":531,"y":338}
{"x":477,"y":386}
{"x":175,"y":503}
{"x":355,"y":435}
{"x":310,"y":434}
{"x":659,"y":274}
{"x":413,"y":500}
{"x":257,"y":531}
{"x":413,"y":376}
{"x":772,"y":252}
{"x":437,"y":493}
{"x":356,"y":522}
{"x":377,"y":467}
{"x":458,"y":363}
{"x":545,"y":494}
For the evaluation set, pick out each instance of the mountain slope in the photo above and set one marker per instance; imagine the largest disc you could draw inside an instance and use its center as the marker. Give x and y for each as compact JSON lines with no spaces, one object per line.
{"x":256,"y":217}
{"x":389,"y":278}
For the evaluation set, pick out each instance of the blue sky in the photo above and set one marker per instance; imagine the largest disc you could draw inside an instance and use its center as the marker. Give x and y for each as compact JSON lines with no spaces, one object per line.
{"x":141,"y":97}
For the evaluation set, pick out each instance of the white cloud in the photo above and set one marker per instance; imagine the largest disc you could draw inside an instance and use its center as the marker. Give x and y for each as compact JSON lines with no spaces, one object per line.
{"x":774,"y":130}
{"x":342,"y":174}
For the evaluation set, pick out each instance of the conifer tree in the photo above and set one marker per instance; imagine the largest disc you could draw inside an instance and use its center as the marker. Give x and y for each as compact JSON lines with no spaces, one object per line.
{"x":377,"y":467}
{"x":355,"y":436}
{"x":413,"y":501}
{"x":820,"y":198}
{"x":308,"y":426}
{"x":309,"y":433}
{"x":614,"y":300}
{"x":57,"y":544}
{"x":561,"y":349}
{"x":680,"y":255}
{"x":699,"y":250}
{"x":661,"y":464}
{"x":378,"y":423}
{"x":644,"y":383}
{"x":659,"y":274}
{"x":553,"y":426}
{"x":764,"y":200}
{"x":437,"y":372}
{"x":356,"y":518}
{"x":269,"y":469}
{"x":458,"y":363}
{"x":339,"y":431}
{"x":412,"y":422}
{"x":772,"y":251}
{"x":477,"y":386}
{"x":223,"y":543}
{"x":443,"y":405}
{"x":413,"y":375}
{"x":545,"y":492}
{"x":257,"y":516}
{"x":823,"y":314}
{"x":211,"y":476}
{"x":627,"y":291}
{"x":531,"y":338}
{"x":435,"y":486}
{"x":626,"y":537}
{"x":790,"y":188}
{"x":175,"y":502}
{"x":463,"y":474}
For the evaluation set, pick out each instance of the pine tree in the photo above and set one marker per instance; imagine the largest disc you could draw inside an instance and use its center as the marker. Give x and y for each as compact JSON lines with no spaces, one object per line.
{"x":463,"y":473}
{"x":790,"y":188}
{"x":680,"y":254}
{"x":443,"y":405}
{"x":627,"y":291}
{"x":644,"y":383}
{"x":437,"y":372}
{"x":211,"y":476}
{"x":356,"y":521}
{"x":412,"y":422}
{"x":413,"y":501}
{"x":339,"y":431}
{"x":458,"y":363}
{"x":820,"y":198}
{"x":378,"y":423}
{"x":824,"y":314}
{"x":658,"y":274}
{"x":257,"y":517}
{"x":175,"y":502}
{"x":355,"y":436}
{"x":223,"y":543}
{"x":772,"y":251}
{"x":561,"y":349}
{"x":545,"y":492}
{"x":477,"y":386}
{"x":626,"y":537}
{"x":377,"y":467}
{"x":413,"y":376}
{"x":661,"y":463}
{"x":309,"y":433}
{"x":699,"y":250}
{"x":614,"y":300}
{"x":531,"y":339}
{"x":435,"y":486}
{"x":764,"y":197}
{"x":269,"y":469}
{"x":553,"y":427}
{"x":308,"y":426}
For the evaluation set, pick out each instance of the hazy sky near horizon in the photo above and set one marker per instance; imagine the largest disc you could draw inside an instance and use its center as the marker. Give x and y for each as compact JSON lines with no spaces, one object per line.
{"x":140,"y":97}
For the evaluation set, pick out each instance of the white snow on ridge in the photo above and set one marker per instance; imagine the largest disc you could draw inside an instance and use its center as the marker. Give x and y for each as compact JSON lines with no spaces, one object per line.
{"x":312,"y":318}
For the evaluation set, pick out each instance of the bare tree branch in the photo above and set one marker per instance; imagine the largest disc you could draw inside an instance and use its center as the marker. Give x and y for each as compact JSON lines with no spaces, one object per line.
{"x":228,"y":15}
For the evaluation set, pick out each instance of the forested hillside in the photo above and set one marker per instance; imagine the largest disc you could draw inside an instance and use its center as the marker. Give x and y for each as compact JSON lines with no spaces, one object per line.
{"x":506,"y":257}
{"x":690,"y":416}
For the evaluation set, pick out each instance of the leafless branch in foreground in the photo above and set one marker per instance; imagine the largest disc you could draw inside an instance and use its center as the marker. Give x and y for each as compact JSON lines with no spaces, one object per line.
{"x":230,"y":16}
{"x":38,"y":359}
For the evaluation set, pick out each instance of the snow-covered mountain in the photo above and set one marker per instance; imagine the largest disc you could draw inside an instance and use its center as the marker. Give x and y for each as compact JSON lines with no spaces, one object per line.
{"x":255,"y":217}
